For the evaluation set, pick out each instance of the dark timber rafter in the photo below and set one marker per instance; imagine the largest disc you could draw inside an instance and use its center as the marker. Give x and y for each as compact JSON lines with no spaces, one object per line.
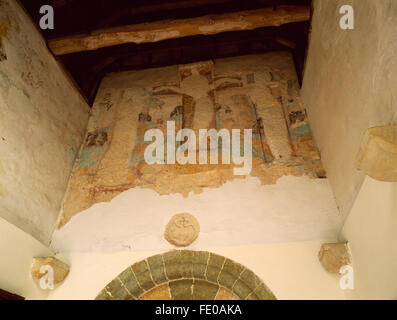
{"x":170,"y":29}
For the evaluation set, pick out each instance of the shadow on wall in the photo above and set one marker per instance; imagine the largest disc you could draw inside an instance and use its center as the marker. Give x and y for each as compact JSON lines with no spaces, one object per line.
{"x":186,"y":275}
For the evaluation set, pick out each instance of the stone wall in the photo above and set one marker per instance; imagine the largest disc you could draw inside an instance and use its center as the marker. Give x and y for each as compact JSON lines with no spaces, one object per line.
{"x":350,"y":85}
{"x":42,"y":123}
{"x":290,"y":270}
{"x":186,"y":275}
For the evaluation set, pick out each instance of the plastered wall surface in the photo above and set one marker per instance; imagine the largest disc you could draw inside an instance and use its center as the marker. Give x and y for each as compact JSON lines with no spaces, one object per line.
{"x":17,"y":250}
{"x":240,"y":212}
{"x":43,"y":119}
{"x":349,"y":85}
{"x":290,"y":270}
{"x":285,"y":198}
{"x":258,"y":92}
{"x":370,"y":230}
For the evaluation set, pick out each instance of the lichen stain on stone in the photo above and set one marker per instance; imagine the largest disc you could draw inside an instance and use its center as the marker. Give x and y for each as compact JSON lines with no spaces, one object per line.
{"x":204,"y":95}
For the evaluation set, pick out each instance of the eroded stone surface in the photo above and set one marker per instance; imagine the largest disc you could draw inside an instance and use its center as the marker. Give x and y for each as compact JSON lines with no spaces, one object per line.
{"x":333,"y":256}
{"x":182,"y":230}
{"x":183,"y":283}
{"x":378,"y":153}
{"x":60,"y":268}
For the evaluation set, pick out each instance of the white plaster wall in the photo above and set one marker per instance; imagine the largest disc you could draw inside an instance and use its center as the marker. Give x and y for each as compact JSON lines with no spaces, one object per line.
{"x":290,"y":270}
{"x":42,"y":123}
{"x":17,"y":250}
{"x":240,"y":212}
{"x":371,"y":232}
{"x":349,"y":85}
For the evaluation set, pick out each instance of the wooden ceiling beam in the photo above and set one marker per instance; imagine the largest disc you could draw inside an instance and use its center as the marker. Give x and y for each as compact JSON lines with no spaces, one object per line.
{"x":170,"y":29}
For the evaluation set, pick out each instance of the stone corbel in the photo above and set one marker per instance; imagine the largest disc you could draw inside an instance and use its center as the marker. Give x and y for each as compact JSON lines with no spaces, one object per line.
{"x":378,"y":153}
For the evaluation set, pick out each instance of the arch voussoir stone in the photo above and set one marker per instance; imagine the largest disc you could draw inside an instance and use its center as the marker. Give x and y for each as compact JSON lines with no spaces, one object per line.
{"x":186,"y":275}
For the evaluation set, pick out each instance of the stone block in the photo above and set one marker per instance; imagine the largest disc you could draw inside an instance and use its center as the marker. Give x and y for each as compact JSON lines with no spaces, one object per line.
{"x":157,"y":268}
{"x":204,"y":290}
{"x":172,"y":264}
{"x":230,"y":273}
{"x":252,"y":296}
{"x":241,"y":289}
{"x":262,"y":293}
{"x":142,"y":274}
{"x":181,"y":289}
{"x":117,"y":290}
{"x":250,"y":279}
{"x":186,"y":263}
{"x":333,"y":256}
{"x":378,"y":153}
{"x":200,"y":259}
{"x":129,"y":281}
{"x":214,"y":267}
{"x":60,"y":269}
{"x":182,"y":230}
{"x":158,"y":293}
{"x":103,"y":295}
{"x":225,"y":294}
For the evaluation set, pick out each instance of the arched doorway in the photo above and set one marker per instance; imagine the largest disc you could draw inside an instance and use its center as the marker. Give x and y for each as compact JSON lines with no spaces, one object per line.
{"x":186,"y":275}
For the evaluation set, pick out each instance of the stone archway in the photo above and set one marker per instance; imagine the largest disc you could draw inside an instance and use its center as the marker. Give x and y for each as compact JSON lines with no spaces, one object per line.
{"x":186,"y":275}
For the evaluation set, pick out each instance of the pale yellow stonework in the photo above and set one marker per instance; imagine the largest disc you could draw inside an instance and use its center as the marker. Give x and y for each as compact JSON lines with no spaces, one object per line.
{"x":60,"y":269}
{"x":378,"y":153}
{"x":333,"y":256}
{"x":182,"y":229}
